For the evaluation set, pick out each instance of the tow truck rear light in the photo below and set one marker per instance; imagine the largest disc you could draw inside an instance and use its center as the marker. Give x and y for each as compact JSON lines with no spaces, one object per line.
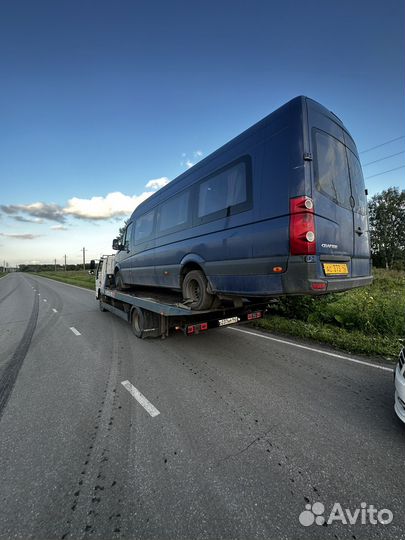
{"x":254,"y":315}
{"x":302,"y":226}
{"x":196,"y":328}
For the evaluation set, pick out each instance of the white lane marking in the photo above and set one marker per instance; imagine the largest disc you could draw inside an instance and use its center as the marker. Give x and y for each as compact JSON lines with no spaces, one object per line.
{"x":76,"y":332}
{"x":39,"y":294}
{"x":54,"y":310}
{"x":140,"y":398}
{"x":45,"y":300}
{"x":384,"y":368}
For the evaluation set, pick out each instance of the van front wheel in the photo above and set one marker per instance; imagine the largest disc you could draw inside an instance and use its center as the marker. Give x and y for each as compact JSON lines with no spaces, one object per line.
{"x":119,"y":282}
{"x":195,"y":291}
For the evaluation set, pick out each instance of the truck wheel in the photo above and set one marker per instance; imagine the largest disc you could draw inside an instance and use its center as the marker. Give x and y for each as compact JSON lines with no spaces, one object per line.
{"x":137,"y":322}
{"x":195,"y":291}
{"x":145,"y":324}
{"x":119,"y":282}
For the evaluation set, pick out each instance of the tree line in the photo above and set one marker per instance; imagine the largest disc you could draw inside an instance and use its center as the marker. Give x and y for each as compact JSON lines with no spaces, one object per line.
{"x":387,"y":228}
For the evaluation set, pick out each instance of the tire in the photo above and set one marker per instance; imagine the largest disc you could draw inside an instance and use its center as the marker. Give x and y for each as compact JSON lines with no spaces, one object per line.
{"x":145,"y":324}
{"x":137,"y":322}
{"x":119,"y":282}
{"x":195,"y":291}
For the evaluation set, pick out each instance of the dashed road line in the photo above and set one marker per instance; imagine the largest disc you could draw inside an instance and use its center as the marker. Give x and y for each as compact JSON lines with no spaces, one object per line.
{"x":45,"y":300}
{"x":140,"y":398}
{"x":76,"y":332}
{"x":54,"y":310}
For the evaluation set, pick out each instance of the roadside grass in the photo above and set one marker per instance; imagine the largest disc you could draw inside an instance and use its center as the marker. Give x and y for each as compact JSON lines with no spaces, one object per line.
{"x":369,"y":320}
{"x":80,"y":278}
{"x":2,"y":274}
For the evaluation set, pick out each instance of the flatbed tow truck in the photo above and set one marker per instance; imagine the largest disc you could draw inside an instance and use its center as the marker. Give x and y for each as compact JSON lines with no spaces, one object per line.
{"x":157,"y":313}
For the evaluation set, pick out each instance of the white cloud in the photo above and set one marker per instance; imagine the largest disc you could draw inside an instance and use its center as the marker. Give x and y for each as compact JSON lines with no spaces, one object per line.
{"x":59,"y":228}
{"x":189,"y":164}
{"x":157,"y":183}
{"x":25,"y":236}
{"x":198,"y":153}
{"x":112,"y":205}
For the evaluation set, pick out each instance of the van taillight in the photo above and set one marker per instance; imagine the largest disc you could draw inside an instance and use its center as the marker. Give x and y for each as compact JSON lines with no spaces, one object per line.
{"x":302,"y":226}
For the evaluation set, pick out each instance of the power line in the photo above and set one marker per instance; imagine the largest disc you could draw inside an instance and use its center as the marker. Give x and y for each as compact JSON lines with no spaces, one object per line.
{"x":382,"y":144}
{"x":384,"y":172}
{"x":382,"y":159}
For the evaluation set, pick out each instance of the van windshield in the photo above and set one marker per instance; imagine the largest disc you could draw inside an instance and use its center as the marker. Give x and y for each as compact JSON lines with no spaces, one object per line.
{"x":331,"y":169}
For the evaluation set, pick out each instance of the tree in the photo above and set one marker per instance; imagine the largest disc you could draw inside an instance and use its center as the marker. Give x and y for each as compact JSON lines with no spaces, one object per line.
{"x":387,"y":227}
{"x":121,"y":232}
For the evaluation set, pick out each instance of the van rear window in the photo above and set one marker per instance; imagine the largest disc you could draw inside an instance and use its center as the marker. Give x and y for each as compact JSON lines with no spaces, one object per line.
{"x":357,"y":181}
{"x":331,"y":170}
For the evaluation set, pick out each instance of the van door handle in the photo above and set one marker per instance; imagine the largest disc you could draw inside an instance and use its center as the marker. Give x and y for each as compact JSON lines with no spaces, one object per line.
{"x":359,"y":231}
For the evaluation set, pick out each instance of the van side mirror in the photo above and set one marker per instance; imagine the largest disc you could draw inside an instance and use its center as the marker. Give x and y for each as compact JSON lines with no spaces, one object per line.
{"x":92,"y":264}
{"x":117,"y":245}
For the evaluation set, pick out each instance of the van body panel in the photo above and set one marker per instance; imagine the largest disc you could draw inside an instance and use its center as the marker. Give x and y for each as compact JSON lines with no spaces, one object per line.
{"x":230,"y":213}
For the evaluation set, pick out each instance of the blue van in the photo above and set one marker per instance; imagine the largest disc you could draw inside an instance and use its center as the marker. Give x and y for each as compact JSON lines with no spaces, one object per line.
{"x":279,"y":210}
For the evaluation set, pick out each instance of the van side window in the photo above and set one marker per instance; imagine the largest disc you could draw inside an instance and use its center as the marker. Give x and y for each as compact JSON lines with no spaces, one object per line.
{"x":331,"y":171}
{"x":127,"y":237}
{"x":144,"y":227}
{"x":174,"y":212}
{"x":222,"y":191}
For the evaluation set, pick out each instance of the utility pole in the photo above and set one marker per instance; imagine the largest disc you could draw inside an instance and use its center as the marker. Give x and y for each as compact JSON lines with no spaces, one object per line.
{"x":55,"y":265}
{"x":84,"y":258}
{"x":65,"y":263}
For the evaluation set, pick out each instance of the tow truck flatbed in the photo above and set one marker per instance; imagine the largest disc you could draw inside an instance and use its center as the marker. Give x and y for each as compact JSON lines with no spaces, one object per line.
{"x":154,"y":313}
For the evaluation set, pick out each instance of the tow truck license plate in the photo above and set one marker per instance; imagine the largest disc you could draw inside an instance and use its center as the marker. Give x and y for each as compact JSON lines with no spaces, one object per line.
{"x":333,"y":268}
{"x":231,"y":320}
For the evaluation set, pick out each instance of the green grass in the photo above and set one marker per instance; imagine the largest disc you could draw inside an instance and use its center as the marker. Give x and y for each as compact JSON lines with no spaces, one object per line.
{"x":2,"y":274}
{"x":369,"y":320}
{"x":80,"y":278}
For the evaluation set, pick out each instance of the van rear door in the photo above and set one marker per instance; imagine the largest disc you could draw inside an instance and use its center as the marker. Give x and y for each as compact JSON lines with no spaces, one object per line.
{"x":339,"y":198}
{"x":332,"y":201}
{"x":361,"y":241}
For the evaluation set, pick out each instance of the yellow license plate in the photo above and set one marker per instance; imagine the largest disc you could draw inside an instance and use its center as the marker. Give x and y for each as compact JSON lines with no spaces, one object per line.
{"x":334,"y":268}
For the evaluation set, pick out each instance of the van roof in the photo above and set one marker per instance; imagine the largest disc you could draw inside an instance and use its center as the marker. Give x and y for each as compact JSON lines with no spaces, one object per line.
{"x":156,"y":198}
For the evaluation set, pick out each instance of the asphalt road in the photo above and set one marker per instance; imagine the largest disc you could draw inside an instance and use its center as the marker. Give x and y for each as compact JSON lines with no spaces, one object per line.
{"x":249,"y":429}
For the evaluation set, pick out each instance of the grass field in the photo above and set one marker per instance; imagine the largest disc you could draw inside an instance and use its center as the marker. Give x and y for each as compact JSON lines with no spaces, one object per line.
{"x":74,"y":277}
{"x":369,"y":320}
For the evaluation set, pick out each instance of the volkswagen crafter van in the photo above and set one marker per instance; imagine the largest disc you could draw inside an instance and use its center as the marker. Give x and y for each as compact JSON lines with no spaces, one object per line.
{"x":279,"y":210}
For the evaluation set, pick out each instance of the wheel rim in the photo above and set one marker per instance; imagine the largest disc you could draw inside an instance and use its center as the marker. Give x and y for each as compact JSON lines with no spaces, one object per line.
{"x":194,"y":290}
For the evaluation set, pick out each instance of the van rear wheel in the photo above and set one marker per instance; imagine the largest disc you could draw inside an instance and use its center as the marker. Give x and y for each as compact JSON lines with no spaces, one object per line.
{"x":195,"y":291}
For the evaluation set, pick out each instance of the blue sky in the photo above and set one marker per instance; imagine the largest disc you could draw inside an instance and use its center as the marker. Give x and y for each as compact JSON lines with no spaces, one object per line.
{"x":103,"y":97}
